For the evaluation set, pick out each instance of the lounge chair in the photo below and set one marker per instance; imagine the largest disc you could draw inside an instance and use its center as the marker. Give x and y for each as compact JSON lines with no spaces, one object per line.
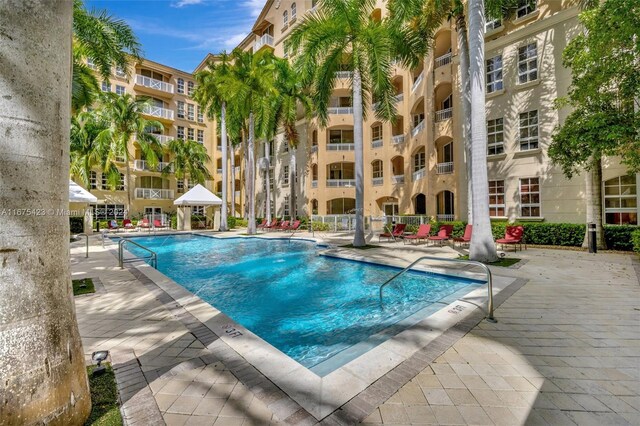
{"x":263,"y":224}
{"x":422,"y":234}
{"x":466,"y":238}
{"x":144,"y":224}
{"x":272,"y":225}
{"x":512,"y":235}
{"x":158,"y":224}
{"x":398,"y":232}
{"x":283,"y":226}
{"x":126,"y":224}
{"x":294,"y":226}
{"x":113,"y":226}
{"x":443,"y":234}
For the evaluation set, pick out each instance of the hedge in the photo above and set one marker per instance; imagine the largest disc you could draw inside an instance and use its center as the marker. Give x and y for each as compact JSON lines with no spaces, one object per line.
{"x":635,"y":238}
{"x":619,"y":237}
{"x":231,"y":222}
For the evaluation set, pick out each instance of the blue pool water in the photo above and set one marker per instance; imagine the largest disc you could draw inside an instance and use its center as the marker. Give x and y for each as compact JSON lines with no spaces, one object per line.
{"x":310,"y":307}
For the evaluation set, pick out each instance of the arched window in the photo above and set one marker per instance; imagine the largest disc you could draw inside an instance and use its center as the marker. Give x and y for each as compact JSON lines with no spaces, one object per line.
{"x":293,"y":12}
{"x":285,"y":18}
{"x":621,"y":201}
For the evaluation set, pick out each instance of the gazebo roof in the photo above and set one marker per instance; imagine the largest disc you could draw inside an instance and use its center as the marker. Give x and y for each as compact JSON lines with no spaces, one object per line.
{"x":198,"y":196}
{"x":78,"y":194}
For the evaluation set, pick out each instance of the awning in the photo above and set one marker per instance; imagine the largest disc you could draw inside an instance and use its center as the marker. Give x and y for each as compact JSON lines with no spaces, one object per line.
{"x":198,"y":196}
{"x":78,"y":194}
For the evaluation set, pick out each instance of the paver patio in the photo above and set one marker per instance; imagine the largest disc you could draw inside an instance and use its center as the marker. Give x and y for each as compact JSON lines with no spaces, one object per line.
{"x":565,"y":351}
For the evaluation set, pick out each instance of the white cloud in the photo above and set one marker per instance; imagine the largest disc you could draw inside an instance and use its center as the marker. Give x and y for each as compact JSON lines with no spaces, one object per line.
{"x":254,"y":6}
{"x":182,"y":3}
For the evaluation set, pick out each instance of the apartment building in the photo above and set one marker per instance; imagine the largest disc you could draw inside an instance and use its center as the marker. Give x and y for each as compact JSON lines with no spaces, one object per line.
{"x":416,"y":166}
{"x":169,"y":92}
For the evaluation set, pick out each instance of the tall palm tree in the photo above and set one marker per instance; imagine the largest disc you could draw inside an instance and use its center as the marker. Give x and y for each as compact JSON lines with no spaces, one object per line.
{"x":212,"y":94}
{"x":42,"y":363}
{"x":188,"y":159}
{"x":107,"y":42}
{"x":343,"y":33}
{"x":86,"y":151}
{"x":123,"y":116}
{"x":251,"y":85}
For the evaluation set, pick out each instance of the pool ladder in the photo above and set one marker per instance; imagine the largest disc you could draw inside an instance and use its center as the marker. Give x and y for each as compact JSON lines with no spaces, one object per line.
{"x":486,"y":269}
{"x":153,"y":257}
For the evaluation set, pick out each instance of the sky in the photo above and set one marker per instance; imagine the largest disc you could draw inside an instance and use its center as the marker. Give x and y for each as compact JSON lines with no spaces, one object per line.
{"x":180,"y":33}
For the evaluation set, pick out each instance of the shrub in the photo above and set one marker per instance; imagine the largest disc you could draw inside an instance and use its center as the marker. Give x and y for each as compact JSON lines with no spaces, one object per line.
{"x":174,"y":221}
{"x":242,"y":223}
{"x":458,"y":227}
{"x":76,"y":225}
{"x":635,"y":239}
{"x":231,"y":222}
{"x":619,"y":237}
{"x":554,"y":234}
{"x":319,"y":226}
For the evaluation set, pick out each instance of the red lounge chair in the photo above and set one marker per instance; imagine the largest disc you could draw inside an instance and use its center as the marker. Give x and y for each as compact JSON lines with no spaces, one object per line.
{"x":294,"y":226}
{"x":443,"y":234}
{"x":466,"y":238}
{"x":126,"y":224}
{"x":422,"y":234}
{"x":158,"y":224}
{"x":113,"y":225}
{"x":512,"y":235}
{"x":144,"y":224}
{"x":398,"y":232}
{"x":263,"y":224}
{"x":283,"y":226}
{"x":273,"y":225}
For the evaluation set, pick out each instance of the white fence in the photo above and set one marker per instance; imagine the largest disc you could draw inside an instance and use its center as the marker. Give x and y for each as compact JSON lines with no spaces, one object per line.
{"x":154,"y":84}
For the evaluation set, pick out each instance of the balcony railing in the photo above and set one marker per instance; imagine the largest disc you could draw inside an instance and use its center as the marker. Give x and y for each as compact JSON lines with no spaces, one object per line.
{"x":236,"y":169}
{"x":159,"y":112}
{"x":417,"y":129}
{"x":237,"y":195}
{"x":314,"y":148}
{"x":341,"y":183}
{"x":398,"y":139}
{"x":377,"y":143}
{"x":314,"y":183}
{"x":419,"y":174}
{"x":163,"y":139}
{"x":152,"y":83}
{"x":340,"y":110}
{"x":417,"y":82}
{"x":154,"y":194}
{"x":443,"y":60}
{"x":219,"y":171}
{"x":340,"y":147}
{"x":444,"y":114}
{"x":397,"y":179}
{"x":444,"y":168}
{"x":446,"y":217}
{"x":378,"y":181}
{"x":344,"y":74}
{"x":265,"y":40}
{"x":142,"y":165}
{"x":399,"y":97}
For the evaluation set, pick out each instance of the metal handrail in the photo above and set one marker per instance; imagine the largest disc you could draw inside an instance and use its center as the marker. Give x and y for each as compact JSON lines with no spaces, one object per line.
{"x":87,"y":239}
{"x":121,"y":261}
{"x":468,"y":262}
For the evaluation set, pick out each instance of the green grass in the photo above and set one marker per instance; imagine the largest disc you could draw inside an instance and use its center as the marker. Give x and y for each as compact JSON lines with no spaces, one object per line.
{"x":83,"y":286}
{"x":505,"y":262}
{"x":104,"y":398}
{"x":367,"y":247}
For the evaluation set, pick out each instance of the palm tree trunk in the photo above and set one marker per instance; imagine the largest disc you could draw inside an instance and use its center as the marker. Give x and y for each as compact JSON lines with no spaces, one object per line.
{"x":358,"y":238}
{"x":44,"y":380}
{"x":245,"y":214}
{"x":292,"y":184}
{"x":594,"y":202}
{"x":225,"y":174}
{"x":250,"y":180}
{"x":267,"y":182}
{"x":466,"y":107}
{"x":128,"y":186}
{"x":483,"y":247}
{"x":233,"y":181}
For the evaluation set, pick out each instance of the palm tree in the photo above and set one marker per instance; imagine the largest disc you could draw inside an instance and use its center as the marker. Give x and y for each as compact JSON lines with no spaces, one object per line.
{"x":44,"y":378}
{"x":343,"y":33}
{"x":212,"y":94}
{"x":251,"y":85}
{"x":106,"y":42}
{"x":123,"y":116}
{"x":86,"y":151}
{"x":189,"y":158}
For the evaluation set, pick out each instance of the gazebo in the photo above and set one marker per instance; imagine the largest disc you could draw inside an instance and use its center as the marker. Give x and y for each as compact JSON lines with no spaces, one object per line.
{"x":197,"y":196}
{"x":79,"y":200}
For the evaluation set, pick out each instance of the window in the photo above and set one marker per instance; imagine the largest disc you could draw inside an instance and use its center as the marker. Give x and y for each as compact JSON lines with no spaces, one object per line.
{"x":120,"y":72}
{"x":377,"y":169}
{"x":120,"y":90}
{"x":376,"y":132}
{"x":286,"y":206}
{"x":180,"y":132}
{"x":190,"y":112}
{"x":91,"y":64}
{"x":340,"y":136}
{"x":271,"y":179}
{"x":285,"y":19}
{"x":496,"y":198}
{"x":122,"y":185}
{"x":180,"y":85}
{"x":293,"y":12}
{"x":191,"y":183}
{"x":525,"y":7}
{"x":190,"y":87}
{"x":530,"y":197}
{"x":200,"y":136}
{"x":93,"y":180}
{"x":419,"y":161}
{"x":103,"y":181}
{"x":492,"y":24}
{"x":108,"y":211}
{"x":180,"y":185}
{"x":528,"y":130}
{"x":190,"y":134}
{"x":495,"y":136}
{"x":286,"y":175}
{"x":197,"y":211}
{"x":285,"y":146}
{"x":180,"y":109}
{"x":528,"y":63}
{"x":621,"y":201}
{"x":106,"y":87}
{"x":494,"y":74}
{"x":200,"y":115}
{"x":417,"y":119}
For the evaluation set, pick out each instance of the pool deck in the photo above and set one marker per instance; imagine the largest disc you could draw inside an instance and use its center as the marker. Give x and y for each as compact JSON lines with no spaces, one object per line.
{"x":559,"y":354}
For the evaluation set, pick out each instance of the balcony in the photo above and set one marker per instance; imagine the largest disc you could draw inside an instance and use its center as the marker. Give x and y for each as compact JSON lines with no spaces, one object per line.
{"x":399,"y":98}
{"x":219,"y":171}
{"x":416,"y":130}
{"x":377,"y":143}
{"x":163,"y":139}
{"x":397,"y":179}
{"x":143,"y":166}
{"x":265,"y":40}
{"x":378,"y":181}
{"x":314,"y":184}
{"x":344,"y":74}
{"x":340,"y":110}
{"x":444,"y":168}
{"x":446,"y":217}
{"x":419,"y":174}
{"x":314,"y":148}
{"x":154,"y":84}
{"x":444,"y":114}
{"x":154,"y":194}
{"x":443,"y":60}
{"x":340,"y":147}
{"x":236,"y":169}
{"x":158,"y":112}
{"x":397,"y":139}
{"x":417,"y":82}
{"x":341,"y":183}
{"x":237,"y":195}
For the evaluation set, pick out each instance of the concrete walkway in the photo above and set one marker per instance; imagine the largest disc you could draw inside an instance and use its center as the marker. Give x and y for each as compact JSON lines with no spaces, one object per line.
{"x":565,"y":350}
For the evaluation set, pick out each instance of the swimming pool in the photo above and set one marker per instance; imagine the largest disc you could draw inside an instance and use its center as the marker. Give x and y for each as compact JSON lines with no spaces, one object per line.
{"x":321,"y":311}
